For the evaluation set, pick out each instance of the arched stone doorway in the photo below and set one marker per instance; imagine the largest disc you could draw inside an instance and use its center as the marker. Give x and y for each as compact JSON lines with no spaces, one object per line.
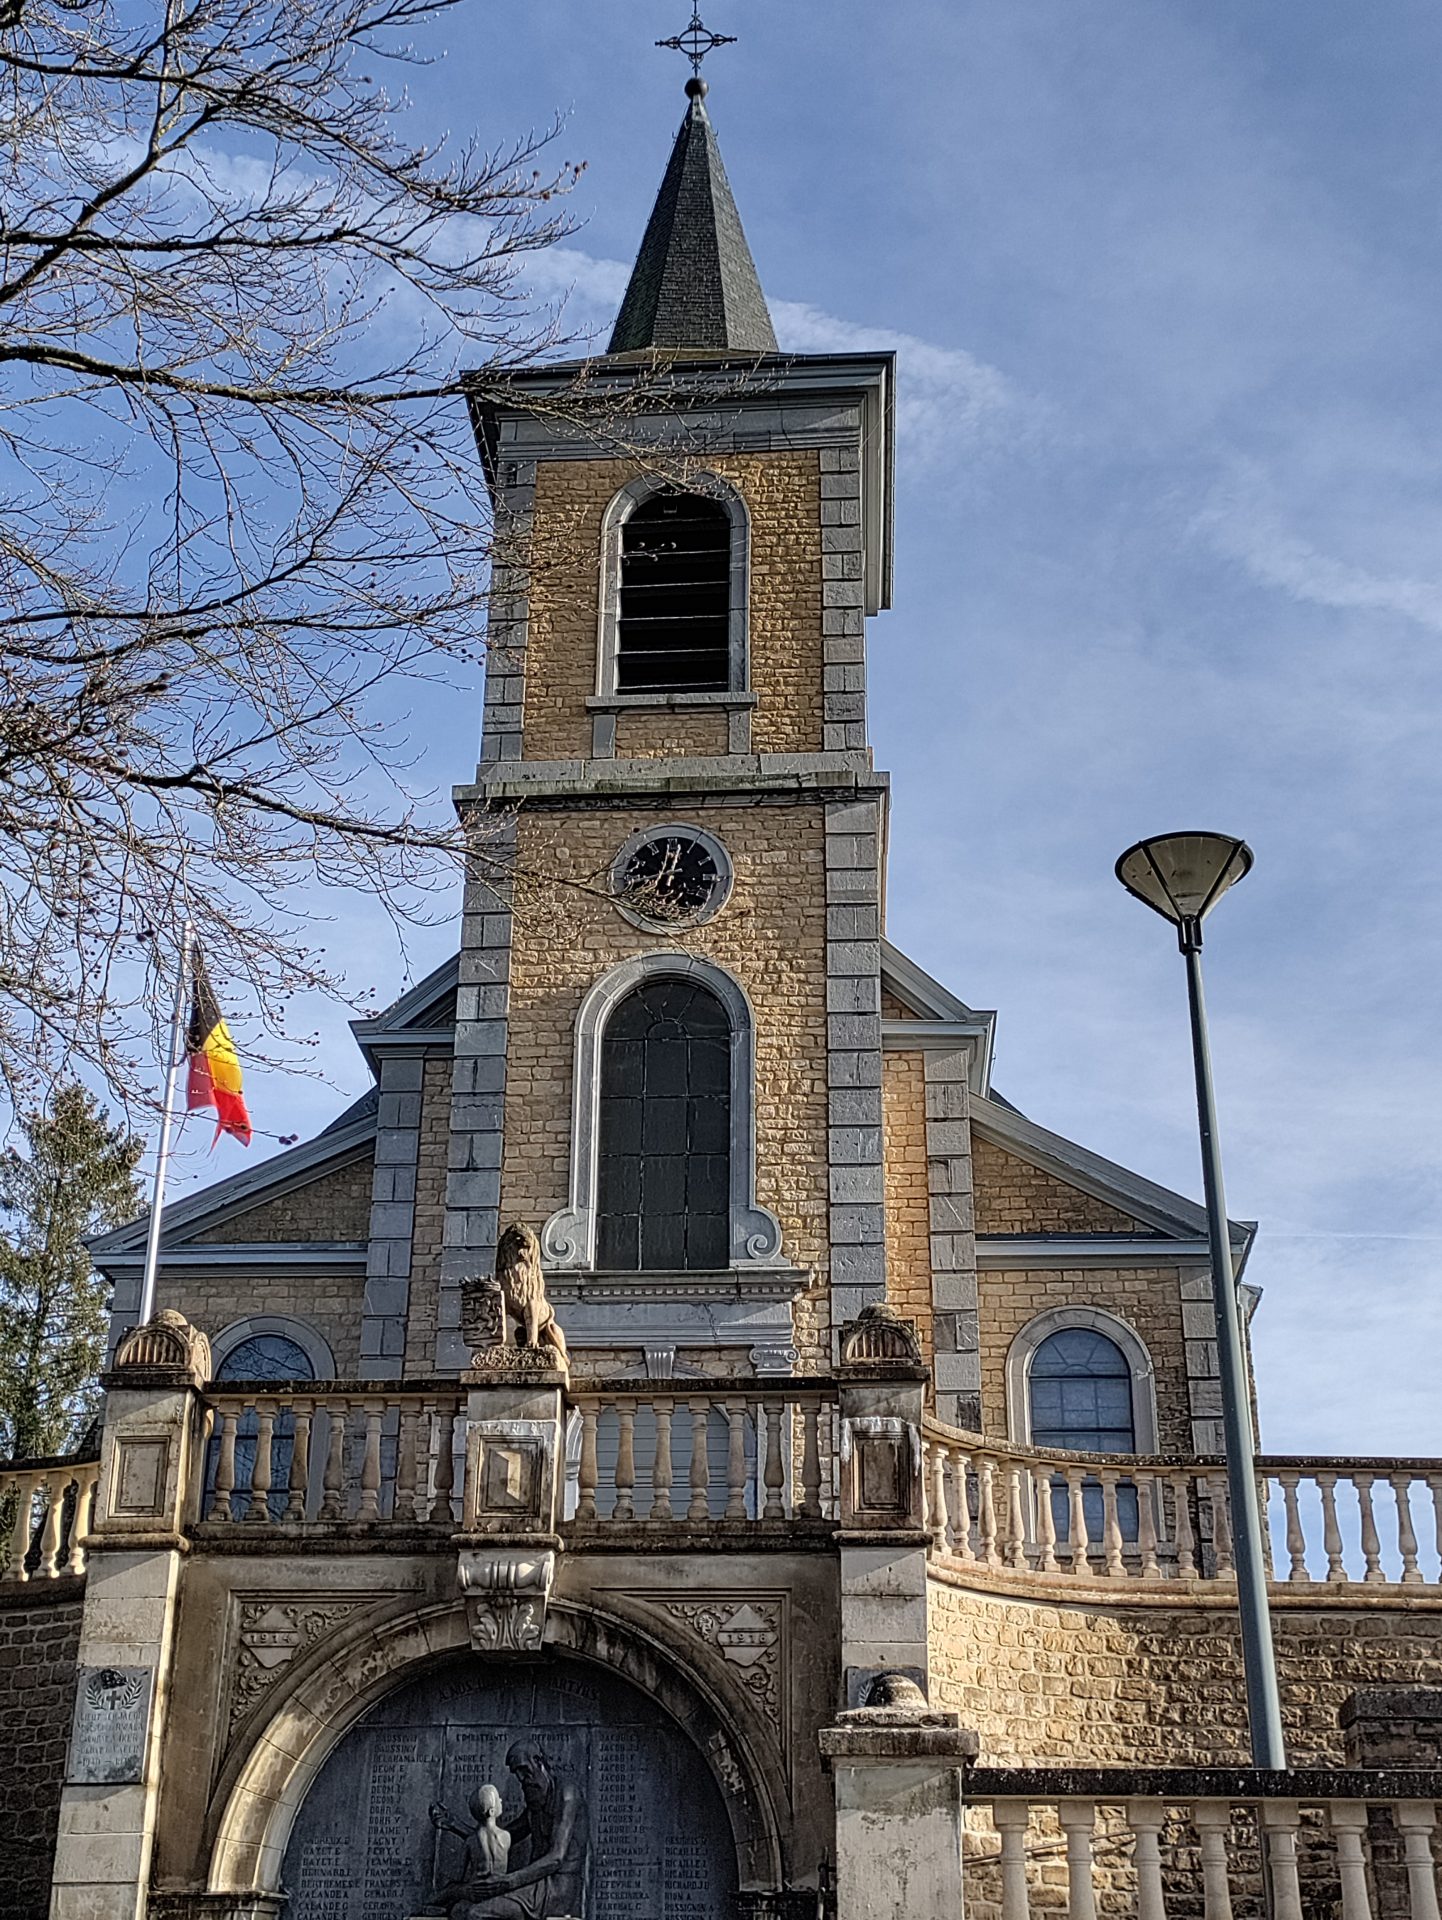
{"x":660,"y":1845}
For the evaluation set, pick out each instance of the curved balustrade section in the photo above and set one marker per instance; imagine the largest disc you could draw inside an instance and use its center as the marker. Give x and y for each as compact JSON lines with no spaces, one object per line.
{"x":1165,"y":1842}
{"x":1050,"y":1514}
{"x":46,"y":1509}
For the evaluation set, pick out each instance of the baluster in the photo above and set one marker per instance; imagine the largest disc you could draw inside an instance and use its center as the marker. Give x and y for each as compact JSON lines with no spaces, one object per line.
{"x":1045,"y":1521}
{"x":986,"y":1510}
{"x":370,"y":1479}
{"x":1078,"y":1818}
{"x":1415,"y":1820}
{"x":1434,"y":1487}
{"x":700,"y":1507}
{"x":961,"y":1511}
{"x":1406,"y":1533}
{"x":332,"y":1484}
{"x":15,"y":1568}
{"x":1111,"y":1526}
{"x":1015,"y":1519}
{"x":443,"y":1503}
{"x":258,"y":1506}
{"x":587,"y":1472}
{"x":775,"y":1477}
{"x":1010,"y":1818}
{"x":1349,"y":1823}
{"x":936,"y":1491}
{"x":1077,"y":1521}
{"x":298,"y":1480}
{"x":1331,"y":1532}
{"x":220,"y":1508}
{"x":1280,"y":1821}
{"x":1296,"y":1538}
{"x":736,"y":1460}
{"x":49,"y":1566}
{"x":625,"y":1507}
{"x":1145,"y":1483}
{"x":83,"y":1518}
{"x":1186,"y":1539}
{"x":661,"y":1461}
{"x":1146,"y":1818}
{"x":811,"y":1464}
{"x":1371,"y":1545}
{"x":403,"y":1507}
{"x":1221,"y":1527}
{"x":1212,"y":1820}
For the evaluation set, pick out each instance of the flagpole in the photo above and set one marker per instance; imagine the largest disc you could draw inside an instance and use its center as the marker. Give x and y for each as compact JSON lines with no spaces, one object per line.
{"x":174,"y":1060}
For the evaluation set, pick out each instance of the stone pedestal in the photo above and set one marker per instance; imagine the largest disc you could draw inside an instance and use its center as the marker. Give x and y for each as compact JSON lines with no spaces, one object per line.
{"x":153,"y":1434}
{"x":898,"y":1783}
{"x":515,"y":1454}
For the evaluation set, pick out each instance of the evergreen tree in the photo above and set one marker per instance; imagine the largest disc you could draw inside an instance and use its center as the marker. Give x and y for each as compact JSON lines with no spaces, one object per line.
{"x":76,"y":1177}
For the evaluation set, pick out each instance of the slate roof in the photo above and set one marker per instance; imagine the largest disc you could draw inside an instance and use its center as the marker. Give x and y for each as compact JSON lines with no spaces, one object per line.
{"x":694,"y":283}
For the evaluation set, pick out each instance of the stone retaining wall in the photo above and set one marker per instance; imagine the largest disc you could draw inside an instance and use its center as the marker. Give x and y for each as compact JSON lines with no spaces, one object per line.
{"x":39,"y":1639}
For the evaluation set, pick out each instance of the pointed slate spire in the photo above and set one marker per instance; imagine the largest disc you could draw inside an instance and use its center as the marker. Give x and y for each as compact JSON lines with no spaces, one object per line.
{"x":694,"y":283}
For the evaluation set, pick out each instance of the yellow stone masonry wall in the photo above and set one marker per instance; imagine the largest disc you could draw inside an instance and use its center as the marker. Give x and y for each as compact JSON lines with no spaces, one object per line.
{"x":1147,"y":1298}
{"x":430,"y":1217}
{"x":331,"y":1303}
{"x":771,"y":936}
{"x":1012,"y":1197}
{"x":1070,"y":1685}
{"x":335,"y":1207}
{"x":782,"y":492}
{"x":652,"y":735}
{"x":892,"y":1009}
{"x":908,"y":1204}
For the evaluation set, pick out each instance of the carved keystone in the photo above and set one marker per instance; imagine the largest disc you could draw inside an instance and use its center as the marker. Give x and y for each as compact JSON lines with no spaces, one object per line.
{"x":506,"y":1591}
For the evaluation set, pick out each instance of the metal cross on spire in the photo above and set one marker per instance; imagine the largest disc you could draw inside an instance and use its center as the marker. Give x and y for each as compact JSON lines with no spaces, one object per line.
{"x":697,"y":41}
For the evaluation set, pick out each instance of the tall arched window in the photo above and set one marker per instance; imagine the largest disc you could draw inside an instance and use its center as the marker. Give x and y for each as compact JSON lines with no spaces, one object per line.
{"x":663,"y":1175}
{"x":674,"y":630}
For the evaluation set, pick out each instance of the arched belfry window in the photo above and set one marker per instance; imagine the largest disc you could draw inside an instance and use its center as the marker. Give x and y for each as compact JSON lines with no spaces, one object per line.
{"x":675,"y":568}
{"x":663,"y":1189}
{"x":673,"y":633}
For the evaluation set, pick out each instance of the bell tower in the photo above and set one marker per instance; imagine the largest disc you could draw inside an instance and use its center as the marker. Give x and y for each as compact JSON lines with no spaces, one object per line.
{"x":668,"y":1033}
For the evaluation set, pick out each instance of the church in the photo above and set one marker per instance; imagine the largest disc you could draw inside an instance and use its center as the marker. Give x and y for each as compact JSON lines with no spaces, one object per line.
{"x":683,"y":1446}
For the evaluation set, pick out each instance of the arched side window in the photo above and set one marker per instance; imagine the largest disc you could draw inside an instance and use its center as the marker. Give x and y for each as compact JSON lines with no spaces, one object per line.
{"x":264,"y":1347}
{"x":663,"y":1183}
{"x":1118,"y":1399}
{"x":663,"y":1127}
{"x":675,"y":568}
{"x":1080,"y":1380}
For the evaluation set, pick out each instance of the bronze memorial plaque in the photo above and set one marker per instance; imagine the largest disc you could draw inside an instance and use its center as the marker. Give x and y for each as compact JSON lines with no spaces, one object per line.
{"x":543,"y":1791}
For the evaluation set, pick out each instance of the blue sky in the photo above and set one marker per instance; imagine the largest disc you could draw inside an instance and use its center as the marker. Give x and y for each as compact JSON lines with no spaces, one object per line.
{"x":1162,"y":276}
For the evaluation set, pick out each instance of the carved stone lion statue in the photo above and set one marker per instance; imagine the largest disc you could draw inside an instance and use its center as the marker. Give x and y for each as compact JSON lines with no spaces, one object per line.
{"x":523,"y":1289}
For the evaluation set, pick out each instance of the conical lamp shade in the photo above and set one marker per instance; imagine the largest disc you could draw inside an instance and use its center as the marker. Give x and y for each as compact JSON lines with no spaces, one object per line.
{"x":1183,"y":875}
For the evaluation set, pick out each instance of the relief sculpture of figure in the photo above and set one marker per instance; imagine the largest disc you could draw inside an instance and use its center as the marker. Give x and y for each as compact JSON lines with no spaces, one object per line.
{"x":555,"y":1832}
{"x":488,"y":1845}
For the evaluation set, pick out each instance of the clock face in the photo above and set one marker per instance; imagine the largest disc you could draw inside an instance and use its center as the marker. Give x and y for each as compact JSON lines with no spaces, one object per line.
{"x":671,"y":880}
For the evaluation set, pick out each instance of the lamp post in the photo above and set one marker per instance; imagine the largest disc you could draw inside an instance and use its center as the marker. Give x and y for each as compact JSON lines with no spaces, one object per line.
{"x":1182,"y":876}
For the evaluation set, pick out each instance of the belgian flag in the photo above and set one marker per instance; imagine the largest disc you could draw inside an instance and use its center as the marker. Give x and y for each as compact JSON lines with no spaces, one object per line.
{"x":213,"y":1076}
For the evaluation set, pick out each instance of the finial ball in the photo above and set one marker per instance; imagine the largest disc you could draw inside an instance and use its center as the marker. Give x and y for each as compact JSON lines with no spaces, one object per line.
{"x":697,"y":88}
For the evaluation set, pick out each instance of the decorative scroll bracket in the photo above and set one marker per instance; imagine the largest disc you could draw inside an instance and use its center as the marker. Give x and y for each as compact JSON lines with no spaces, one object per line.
{"x":506,"y":1591}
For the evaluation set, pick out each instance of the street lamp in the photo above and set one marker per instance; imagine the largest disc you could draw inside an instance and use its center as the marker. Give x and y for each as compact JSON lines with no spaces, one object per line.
{"x":1182,"y":876}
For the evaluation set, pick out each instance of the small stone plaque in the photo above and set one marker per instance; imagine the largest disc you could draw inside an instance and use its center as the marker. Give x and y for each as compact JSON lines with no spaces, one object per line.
{"x":112,"y":1716}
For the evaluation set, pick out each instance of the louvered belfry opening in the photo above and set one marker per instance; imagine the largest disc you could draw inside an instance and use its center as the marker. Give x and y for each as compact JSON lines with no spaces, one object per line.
{"x":664,"y":1173}
{"x":675,"y":597}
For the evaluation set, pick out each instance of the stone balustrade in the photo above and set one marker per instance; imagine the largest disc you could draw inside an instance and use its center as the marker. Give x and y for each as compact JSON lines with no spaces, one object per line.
{"x":1208,"y":1843}
{"x":46,"y":1509}
{"x":744,"y":1450}
{"x":1047,"y":1512}
{"x":282,"y":1455}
